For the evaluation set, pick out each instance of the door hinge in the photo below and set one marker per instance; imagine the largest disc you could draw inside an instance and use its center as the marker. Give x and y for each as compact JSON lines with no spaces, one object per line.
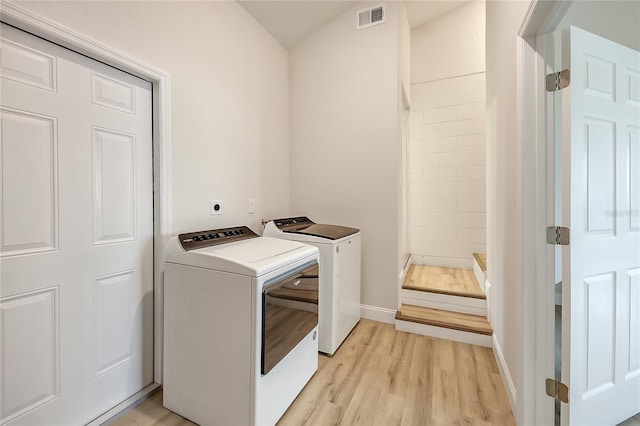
{"x":557,"y":389}
{"x":557,"y":80}
{"x":558,"y":235}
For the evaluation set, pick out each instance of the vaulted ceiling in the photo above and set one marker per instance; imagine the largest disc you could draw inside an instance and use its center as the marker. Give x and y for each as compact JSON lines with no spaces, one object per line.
{"x":290,"y":22}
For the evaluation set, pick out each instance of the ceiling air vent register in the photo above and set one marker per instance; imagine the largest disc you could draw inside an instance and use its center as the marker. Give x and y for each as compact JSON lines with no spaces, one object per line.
{"x":369,"y":17}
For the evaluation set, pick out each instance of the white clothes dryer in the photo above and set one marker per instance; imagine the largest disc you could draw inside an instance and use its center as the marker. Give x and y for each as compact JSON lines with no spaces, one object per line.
{"x":340,"y":274}
{"x":240,"y":325}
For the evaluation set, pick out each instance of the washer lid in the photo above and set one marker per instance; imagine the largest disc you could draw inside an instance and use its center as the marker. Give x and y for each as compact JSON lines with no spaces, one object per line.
{"x":253,"y":257}
{"x":331,"y":232}
{"x":305,"y":226}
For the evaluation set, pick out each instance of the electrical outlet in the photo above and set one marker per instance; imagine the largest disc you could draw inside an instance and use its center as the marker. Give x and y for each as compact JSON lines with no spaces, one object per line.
{"x":216,"y":207}
{"x":251,"y":206}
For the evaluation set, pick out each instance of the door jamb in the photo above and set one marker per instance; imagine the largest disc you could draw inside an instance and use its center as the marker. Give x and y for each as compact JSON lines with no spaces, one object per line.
{"x":535,"y":201}
{"x":58,"y":34}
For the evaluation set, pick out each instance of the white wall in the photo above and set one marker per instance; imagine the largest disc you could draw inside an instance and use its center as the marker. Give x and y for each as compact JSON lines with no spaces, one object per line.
{"x":453,"y":43}
{"x":503,"y":19}
{"x":446,"y":155}
{"x":229,"y":100}
{"x":345,"y":139}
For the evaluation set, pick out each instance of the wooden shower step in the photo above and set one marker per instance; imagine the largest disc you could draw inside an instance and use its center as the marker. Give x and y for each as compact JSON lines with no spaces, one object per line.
{"x":446,"y":319}
{"x":435,"y":279}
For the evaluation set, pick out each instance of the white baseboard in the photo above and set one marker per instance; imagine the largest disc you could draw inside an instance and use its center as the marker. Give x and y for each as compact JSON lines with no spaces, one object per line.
{"x":444,"y":333}
{"x":376,"y":313}
{"x":506,"y":375}
{"x":466,"y":305}
{"x":405,"y":269}
{"x":479,"y":274}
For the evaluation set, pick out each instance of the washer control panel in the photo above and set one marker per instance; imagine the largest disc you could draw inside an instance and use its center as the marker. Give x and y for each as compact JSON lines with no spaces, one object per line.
{"x":212,"y":237}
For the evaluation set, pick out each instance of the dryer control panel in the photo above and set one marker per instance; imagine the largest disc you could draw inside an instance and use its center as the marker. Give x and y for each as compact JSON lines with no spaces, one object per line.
{"x":213,"y":237}
{"x":297,"y":222}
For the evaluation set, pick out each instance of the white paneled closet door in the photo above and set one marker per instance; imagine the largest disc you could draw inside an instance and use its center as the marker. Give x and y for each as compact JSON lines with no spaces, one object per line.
{"x":601,"y":264}
{"x":76,"y":234}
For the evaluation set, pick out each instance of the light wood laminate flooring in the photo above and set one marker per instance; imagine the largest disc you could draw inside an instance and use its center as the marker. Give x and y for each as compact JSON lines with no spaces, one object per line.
{"x":149,"y":412}
{"x":380,"y":376}
{"x":435,"y":279}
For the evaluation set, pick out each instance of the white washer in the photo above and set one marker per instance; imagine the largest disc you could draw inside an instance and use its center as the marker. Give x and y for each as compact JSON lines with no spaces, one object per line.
{"x":340,"y":272}
{"x":240,"y":325}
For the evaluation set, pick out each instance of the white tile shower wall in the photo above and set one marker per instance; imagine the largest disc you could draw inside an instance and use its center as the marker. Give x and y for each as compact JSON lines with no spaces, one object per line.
{"x":446,"y":171}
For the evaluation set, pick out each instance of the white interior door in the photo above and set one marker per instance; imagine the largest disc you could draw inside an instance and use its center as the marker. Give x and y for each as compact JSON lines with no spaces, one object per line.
{"x":76,"y":234}
{"x":601,"y":266}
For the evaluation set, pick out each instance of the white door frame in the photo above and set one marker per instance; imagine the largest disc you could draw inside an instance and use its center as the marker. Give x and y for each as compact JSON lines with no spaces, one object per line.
{"x":51,"y":31}
{"x":535,"y":207}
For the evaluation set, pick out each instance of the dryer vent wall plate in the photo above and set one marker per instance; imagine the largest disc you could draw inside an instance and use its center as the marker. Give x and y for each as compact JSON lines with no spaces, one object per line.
{"x":368,"y":17}
{"x":215,"y":207}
